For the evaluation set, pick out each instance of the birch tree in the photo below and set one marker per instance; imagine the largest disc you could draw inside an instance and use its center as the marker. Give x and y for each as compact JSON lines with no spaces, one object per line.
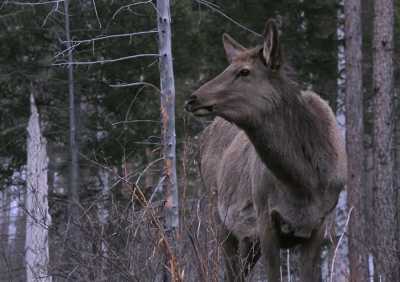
{"x":384,"y":203}
{"x":354,"y":139}
{"x":38,"y":218}
{"x":168,"y":141}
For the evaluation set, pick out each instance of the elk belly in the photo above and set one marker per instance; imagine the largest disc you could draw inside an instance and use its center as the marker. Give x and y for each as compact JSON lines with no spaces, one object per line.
{"x":235,"y":199}
{"x":239,"y":217}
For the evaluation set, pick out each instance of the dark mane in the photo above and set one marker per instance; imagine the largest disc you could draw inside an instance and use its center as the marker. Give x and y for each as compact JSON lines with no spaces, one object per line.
{"x":305,"y":125}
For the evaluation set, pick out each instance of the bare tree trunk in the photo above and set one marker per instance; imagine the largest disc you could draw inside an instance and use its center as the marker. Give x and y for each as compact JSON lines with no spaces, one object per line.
{"x":168,"y":141}
{"x":38,"y":217}
{"x":73,"y":237}
{"x":397,"y":152}
{"x":73,"y":211}
{"x":19,"y":249}
{"x":5,"y":262}
{"x":339,"y":263}
{"x":397,"y":126}
{"x":367,"y":30}
{"x":385,"y":253}
{"x":354,"y":139}
{"x":12,"y":247}
{"x":103,"y":212}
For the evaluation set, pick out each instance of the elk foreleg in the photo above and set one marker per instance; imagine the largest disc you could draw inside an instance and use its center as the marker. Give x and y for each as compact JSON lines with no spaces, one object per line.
{"x":310,"y":257}
{"x":230,"y":246}
{"x":249,"y":253}
{"x":270,"y":248}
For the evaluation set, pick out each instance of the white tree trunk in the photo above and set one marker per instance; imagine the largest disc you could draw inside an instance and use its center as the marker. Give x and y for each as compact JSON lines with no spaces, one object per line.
{"x":4,"y":222}
{"x":38,"y":217}
{"x":340,"y":266}
{"x":167,"y":87}
{"x":168,"y":141}
{"x":103,"y":213}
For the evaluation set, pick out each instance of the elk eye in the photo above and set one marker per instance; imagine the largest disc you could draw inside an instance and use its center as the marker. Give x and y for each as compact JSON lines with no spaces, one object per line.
{"x":244,"y":72}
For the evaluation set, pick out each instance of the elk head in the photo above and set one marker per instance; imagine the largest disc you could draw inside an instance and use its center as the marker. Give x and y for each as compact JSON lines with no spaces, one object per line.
{"x":245,"y":90}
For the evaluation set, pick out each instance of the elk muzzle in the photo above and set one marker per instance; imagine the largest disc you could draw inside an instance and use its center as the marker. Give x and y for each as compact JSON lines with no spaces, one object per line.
{"x":194,"y":106}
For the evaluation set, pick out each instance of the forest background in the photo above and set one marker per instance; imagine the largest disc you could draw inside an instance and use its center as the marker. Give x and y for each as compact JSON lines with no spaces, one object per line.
{"x":108,"y":227}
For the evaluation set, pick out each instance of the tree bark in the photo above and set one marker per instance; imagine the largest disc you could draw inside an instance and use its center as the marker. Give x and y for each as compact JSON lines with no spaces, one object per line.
{"x":103,"y":213}
{"x":73,"y":237}
{"x":354,"y":139}
{"x":38,"y":218}
{"x":385,"y":245}
{"x":397,"y":145}
{"x":339,"y":255}
{"x":5,"y":263}
{"x":168,"y":141}
{"x":73,"y":198}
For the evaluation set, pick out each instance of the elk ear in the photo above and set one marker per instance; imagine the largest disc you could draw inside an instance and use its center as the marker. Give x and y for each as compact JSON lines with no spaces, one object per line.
{"x":272,"y":49}
{"x":232,"y":48}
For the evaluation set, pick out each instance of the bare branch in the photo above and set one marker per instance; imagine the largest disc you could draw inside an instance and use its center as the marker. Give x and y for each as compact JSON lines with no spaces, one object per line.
{"x":97,"y":14}
{"x":11,"y":129}
{"x":53,"y":10}
{"x":107,"y":61}
{"x":339,"y":242}
{"x":157,"y":189}
{"x":115,"y":36}
{"x":19,"y":3}
{"x":76,"y":43}
{"x":66,"y":50}
{"x":128,"y":6}
{"x":121,"y":85}
{"x":214,"y":8}
{"x":146,"y":168}
{"x":13,"y":14}
{"x":135,"y":121}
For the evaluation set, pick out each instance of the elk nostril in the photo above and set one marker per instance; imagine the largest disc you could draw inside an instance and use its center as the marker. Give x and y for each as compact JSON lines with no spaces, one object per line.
{"x":189,"y":102}
{"x":192,"y":99}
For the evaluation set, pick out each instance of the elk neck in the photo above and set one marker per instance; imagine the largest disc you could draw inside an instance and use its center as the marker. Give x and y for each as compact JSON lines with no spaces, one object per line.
{"x":293,"y":142}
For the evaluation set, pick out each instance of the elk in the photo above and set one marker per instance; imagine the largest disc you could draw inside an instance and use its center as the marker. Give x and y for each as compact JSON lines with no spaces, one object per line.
{"x":273,"y":156}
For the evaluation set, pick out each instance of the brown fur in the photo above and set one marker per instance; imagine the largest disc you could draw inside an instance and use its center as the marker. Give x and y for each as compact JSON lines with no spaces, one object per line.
{"x":275,"y":161}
